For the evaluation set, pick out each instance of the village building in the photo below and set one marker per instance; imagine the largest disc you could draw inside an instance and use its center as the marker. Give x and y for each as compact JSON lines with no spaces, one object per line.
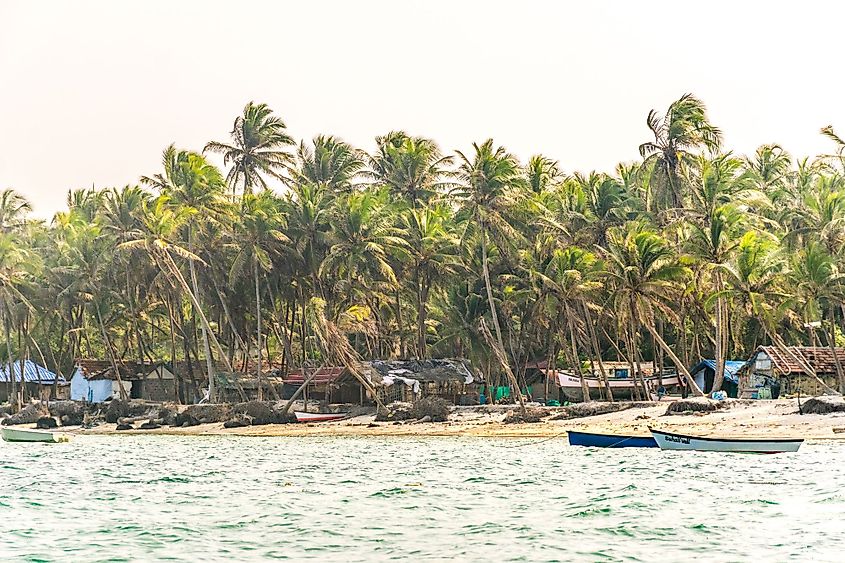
{"x":704,"y":372}
{"x":37,"y":381}
{"x":328,"y":385}
{"x":96,"y":381}
{"x":453,"y":380}
{"x":773,"y":371}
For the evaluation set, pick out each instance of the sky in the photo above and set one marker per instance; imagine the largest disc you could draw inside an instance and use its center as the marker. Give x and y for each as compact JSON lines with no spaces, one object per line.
{"x":91,"y":92}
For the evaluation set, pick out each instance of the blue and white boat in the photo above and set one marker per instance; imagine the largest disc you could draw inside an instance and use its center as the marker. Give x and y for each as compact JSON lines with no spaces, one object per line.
{"x":610,"y":440}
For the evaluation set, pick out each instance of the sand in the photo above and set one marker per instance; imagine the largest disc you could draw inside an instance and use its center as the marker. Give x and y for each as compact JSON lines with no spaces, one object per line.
{"x":740,"y":419}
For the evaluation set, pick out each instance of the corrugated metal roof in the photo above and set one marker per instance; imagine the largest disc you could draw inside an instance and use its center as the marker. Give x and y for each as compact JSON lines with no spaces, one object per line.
{"x":32,"y":373}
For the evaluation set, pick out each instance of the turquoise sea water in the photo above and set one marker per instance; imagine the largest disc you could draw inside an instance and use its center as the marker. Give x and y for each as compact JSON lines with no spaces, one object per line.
{"x":163,"y":498}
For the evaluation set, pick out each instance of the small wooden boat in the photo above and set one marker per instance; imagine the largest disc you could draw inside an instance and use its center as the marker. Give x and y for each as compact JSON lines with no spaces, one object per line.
{"x":674,"y":441}
{"x":318,"y":416}
{"x":609,"y":440}
{"x":622,"y":387}
{"x":26,"y":435}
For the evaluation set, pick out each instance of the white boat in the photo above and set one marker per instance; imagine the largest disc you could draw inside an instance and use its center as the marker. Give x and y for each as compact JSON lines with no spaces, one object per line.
{"x":26,"y":435}
{"x":622,"y":387}
{"x":318,"y":416}
{"x":674,"y":441}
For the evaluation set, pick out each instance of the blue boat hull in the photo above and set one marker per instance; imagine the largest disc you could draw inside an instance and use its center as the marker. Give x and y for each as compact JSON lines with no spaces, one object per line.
{"x":610,"y":440}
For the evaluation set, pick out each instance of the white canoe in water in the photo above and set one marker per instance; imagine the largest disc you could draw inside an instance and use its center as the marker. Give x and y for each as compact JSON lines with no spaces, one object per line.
{"x":317,"y":416}
{"x":26,"y":435}
{"x":674,"y":441}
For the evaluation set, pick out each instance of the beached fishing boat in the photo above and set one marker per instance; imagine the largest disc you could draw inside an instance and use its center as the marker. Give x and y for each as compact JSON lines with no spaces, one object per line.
{"x":675,"y":441}
{"x":26,"y":435}
{"x":609,"y":440}
{"x":318,"y":416}
{"x":622,"y":387}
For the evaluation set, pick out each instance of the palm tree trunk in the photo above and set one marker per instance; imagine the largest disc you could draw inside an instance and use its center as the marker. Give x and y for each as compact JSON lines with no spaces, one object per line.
{"x":258,"y":326}
{"x":831,"y":337}
{"x":585,"y":390}
{"x":485,"y":266}
{"x":678,"y":364}
{"x":597,"y":350}
{"x":110,"y":353}
{"x":422,"y":314}
{"x":13,"y":394}
{"x":209,"y":362}
{"x":721,"y":340}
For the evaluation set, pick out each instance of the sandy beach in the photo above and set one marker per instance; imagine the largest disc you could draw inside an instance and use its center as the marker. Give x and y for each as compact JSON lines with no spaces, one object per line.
{"x":739,"y":419}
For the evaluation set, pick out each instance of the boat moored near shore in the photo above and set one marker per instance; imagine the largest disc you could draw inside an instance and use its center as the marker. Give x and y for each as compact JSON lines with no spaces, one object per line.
{"x":674,"y":441}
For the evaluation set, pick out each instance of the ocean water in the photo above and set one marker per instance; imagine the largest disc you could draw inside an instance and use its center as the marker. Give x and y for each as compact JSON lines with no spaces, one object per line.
{"x":223,"y":498}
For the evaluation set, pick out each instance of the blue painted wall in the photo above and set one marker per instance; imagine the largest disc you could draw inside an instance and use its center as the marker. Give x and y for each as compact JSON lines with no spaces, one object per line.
{"x":93,"y":391}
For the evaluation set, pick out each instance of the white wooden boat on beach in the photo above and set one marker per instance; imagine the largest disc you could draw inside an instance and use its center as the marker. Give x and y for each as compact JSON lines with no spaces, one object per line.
{"x":27,"y":435}
{"x":621,"y":387}
{"x":674,"y":441}
{"x":318,"y":416}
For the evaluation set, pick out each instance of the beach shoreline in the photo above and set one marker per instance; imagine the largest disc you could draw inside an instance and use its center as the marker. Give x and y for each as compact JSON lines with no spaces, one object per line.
{"x":740,"y":419}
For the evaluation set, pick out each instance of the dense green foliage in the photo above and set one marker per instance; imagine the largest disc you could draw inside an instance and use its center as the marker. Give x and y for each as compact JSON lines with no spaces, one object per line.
{"x":691,"y":253}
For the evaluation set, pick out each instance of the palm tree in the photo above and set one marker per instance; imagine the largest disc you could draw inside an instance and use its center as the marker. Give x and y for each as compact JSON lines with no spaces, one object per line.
{"x":644,"y":275}
{"x":572,"y":275}
{"x":543,"y":173}
{"x":330,"y":163}
{"x":413,"y":168}
{"x":684,"y":128}
{"x":259,"y":143}
{"x":433,"y":248}
{"x":257,"y":235}
{"x":13,"y":210}
{"x":490,"y":180}
{"x":195,"y":188}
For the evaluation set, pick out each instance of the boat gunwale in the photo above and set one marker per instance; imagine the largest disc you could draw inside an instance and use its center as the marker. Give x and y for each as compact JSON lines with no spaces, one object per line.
{"x":713,"y":439}
{"x":626,"y":436}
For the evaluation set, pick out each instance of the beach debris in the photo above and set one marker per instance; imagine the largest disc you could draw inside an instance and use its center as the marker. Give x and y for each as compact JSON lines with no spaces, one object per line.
{"x":27,"y":415}
{"x":435,"y":408}
{"x":118,"y":408}
{"x":258,"y":412}
{"x":426,"y":418}
{"x":529,"y":415}
{"x":70,"y":413}
{"x":693,"y":406}
{"x":823,"y":405}
{"x":396,"y":411}
{"x":124,"y":426}
{"x":239,"y":421}
{"x":150,"y":425}
{"x":593,"y":408}
{"x":46,"y":422}
{"x":205,"y":414}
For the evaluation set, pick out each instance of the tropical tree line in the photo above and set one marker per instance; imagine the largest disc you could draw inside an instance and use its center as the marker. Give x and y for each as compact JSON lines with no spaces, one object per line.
{"x":413,"y":252}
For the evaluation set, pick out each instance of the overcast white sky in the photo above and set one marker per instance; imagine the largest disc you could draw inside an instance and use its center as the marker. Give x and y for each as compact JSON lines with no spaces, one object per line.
{"x":91,"y":92}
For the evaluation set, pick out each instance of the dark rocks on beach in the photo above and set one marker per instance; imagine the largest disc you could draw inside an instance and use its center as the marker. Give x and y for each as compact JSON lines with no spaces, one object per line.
{"x":124,"y":426}
{"x":823,"y":405}
{"x":435,"y":408}
{"x":205,"y":414}
{"x":396,"y":411}
{"x":690,"y":406}
{"x":184,"y":420}
{"x":593,"y":408}
{"x":71,"y":413}
{"x":168,"y":413}
{"x":28,"y":415}
{"x":259,"y":412}
{"x":531,"y":415}
{"x":46,"y":422}
{"x":238,"y":421}
{"x":118,"y":408}
{"x":150,"y":425}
